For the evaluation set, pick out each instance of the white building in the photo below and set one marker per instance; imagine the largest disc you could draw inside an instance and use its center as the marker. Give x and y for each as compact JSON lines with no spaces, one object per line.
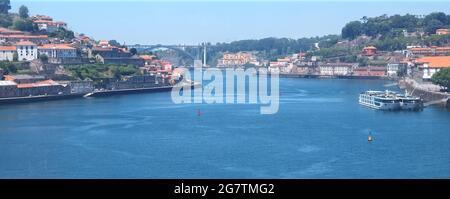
{"x":26,"y":51}
{"x":430,"y":65}
{"x":57,"y":51}
{"x":50,"y":26}
{"x":7,"y":53}
{"x":331,"y":69}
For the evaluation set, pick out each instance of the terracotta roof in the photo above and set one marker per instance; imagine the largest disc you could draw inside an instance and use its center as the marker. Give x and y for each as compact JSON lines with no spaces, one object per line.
{"x":435,"y":62}
{"x":25,"y":36}
{"x":38,"y":84}
{"x":25,"y":43}
{"x":12,"y":48}
{"x":9,"y":31}
{"x":147,"y":57}
{"x":56,"y":46}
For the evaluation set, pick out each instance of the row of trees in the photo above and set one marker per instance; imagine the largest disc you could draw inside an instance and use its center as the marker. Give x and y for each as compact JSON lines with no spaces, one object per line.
{"x":389,"y":25}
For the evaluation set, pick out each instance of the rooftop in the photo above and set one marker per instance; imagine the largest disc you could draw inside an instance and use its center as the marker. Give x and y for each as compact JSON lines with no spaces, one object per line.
{"x":6,"y":48}
{"x":7,"y":83}
{"x":435,"y":61}
{"x":25,"y":43}
{"x":56,"y":46}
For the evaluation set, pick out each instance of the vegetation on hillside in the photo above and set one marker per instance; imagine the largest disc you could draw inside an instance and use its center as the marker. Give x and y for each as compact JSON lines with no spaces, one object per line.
{"x":101,"y":71}
{"x":442,"y":78}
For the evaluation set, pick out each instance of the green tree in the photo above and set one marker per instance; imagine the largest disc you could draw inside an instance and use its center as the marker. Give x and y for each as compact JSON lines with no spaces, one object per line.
{"x":133,"y":51}
{"x":23,"y":12}
{"x":5,"y":20}
{"x":5,"y":6}
{"x":8,"y":67}
{"x":62,"y":33}
{"x":23,"y":25}
{"x":352,"y":30}
{"x":15,"y":56}
{"x":432,"y":25}
{"x":43,"y":58}
{"x":442,"y":78}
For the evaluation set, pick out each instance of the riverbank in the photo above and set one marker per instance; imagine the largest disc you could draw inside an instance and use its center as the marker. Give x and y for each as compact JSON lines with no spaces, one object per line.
{"x":428,"y":93}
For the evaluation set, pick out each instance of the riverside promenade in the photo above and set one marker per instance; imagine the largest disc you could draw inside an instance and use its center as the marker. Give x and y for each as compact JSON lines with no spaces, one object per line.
{"x":427,"y":91}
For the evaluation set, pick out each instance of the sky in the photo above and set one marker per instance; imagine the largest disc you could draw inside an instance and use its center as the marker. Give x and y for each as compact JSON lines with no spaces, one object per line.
{"x":194,"y":22}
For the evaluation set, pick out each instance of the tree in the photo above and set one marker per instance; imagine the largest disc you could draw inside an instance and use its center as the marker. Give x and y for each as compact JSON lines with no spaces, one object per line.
{"x":5,"y":6}
{"x":5,"y":20}
{"x":23,"y":25}
{"x":114,"y":43}
{"x":442,"y":78}
{"x":23,"y":12}
{"x":133,"y":51}
{"x":15,"y":56}
{"x":8,"y":67}
{"x":43,"y":58}
{"x":432,"y":25}
{"x":62,"y":33}
{"x":352,"y":30}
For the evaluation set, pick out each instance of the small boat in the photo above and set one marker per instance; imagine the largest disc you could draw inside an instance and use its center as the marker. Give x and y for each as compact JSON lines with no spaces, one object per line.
{"x":370,"y":138}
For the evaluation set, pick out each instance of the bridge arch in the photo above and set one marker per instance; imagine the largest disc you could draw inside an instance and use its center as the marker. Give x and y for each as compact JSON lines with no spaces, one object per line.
{"x":174,"y":48}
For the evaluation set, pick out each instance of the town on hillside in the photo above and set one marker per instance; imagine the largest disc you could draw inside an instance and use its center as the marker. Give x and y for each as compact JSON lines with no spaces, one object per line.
{"x":40,"y":55}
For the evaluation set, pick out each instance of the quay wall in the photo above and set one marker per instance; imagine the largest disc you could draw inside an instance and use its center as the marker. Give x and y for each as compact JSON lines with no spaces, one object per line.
{"x":426,"y":95}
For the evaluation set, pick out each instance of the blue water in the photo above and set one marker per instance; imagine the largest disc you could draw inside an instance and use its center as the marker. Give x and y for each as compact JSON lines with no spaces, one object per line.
{"x":320,"y":131}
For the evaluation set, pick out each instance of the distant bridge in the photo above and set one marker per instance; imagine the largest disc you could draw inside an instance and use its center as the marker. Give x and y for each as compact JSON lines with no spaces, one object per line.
{"x":178,"y":48}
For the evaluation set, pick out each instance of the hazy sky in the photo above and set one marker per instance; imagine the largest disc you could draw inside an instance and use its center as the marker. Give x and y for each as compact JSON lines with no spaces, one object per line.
{"x":192,"y":22}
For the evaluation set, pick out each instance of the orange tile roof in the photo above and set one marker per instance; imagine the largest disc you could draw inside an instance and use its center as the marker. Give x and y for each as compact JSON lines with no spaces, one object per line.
{"x":37,"y":84}
{"x":12,"y":48}
{"x":435,"y":62}
{"x":147,"y":57}
{"x":25,"y":43}
{"x":25,"y":36}
{"x":56,"y":46}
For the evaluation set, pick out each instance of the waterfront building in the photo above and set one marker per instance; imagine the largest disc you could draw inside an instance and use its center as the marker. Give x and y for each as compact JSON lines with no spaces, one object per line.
{"x":370,"y":71}
{"x":7,"y":53}
{"x":26,"y":51}
{"x":47,"y":87}
{"x":369,"y":51}
{"x":395,"y":69}
{"x":442,"y":31}
{"x":235,"y":59}
{"x":50,"y":26}
{"x":430,"y":65}
{"x":24,"y":79}
{"x":332,"y":69}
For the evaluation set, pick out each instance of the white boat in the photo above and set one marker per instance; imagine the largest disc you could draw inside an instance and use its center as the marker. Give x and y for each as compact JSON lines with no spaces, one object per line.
{"x":389,"y":100}
{"x":408,"y":102}
{"x":382,"y":100}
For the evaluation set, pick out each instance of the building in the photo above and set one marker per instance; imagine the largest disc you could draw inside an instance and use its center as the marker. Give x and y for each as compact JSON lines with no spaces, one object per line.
{"x":396,"y":69}
{"x":6,"y":31}
{"x":235,"y":59}
{"x":428,"y":51}
{"x":38,"y":39}
{"x":46,"y":23}
{"x":131,"y":60}
{"x":430,"y":65}
{"x":442,"y":31}
{"x":24,"y":79}
{"x":332,"y":69}
{"x":369,"y":51}
{"x":47,"y":87}
{"x":147,"y":59}
{"x":370,"y":71}
{"x":57,"y":50}
{"x":7,"y":53}
{"x":26,"y":51}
